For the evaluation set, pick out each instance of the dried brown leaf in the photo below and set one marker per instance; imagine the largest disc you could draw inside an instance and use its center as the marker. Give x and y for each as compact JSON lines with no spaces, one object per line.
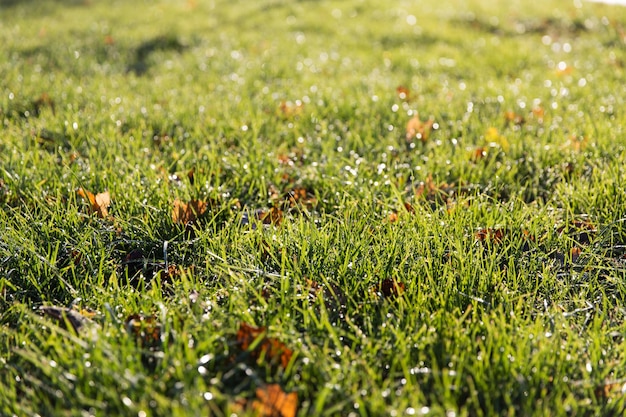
{"x":272,"y":401}
{"x":417,"y":129}
{"x":185,"y":213}
{"x":98,"y":203}
{"x":270,"y":349}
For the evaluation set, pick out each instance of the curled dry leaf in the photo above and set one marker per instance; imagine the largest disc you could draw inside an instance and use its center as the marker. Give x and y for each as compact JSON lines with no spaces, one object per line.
{"x":270,"y":349}
{"x":490,"y":234}
{"x":389,"y":288}
{"x":63,"y":315}
{"x":582,"y":231}
{"x":185,"y":213}
{"x":575,"y":253}
{"x":274,"y":216}
{"x":145,"y":329}
{"x":302,"y":197}
{"x":611,"y":390}
{"x":416,"y":129}
{"x":394,"y":215}
{"x":98,"y":203}
{"x":333,"y":297}
{"x":272,"y":401}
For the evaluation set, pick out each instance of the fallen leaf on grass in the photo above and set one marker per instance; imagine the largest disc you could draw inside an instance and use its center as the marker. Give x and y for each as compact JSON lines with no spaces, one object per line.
{"x":63,"y":315}
{"x":490,"y":235}
{"x":42,"y":102}
{"x":98,"y":203}
{"x":403,"y":93}
{"x":563,"y":69}
{"x":291,"y":109}
{"x":575,"y":253}
{"x":478,"y":154}
{"x":394,"y":216}
{"x":582,"y":231}
{"x":538,"y":113}
{"x":494,"y":138}
{"x":269,"y":349}
{"x":576,"y":143}
{"x":147,"y":333}
{"x":301,"y":196}
{"x":333,"y":297}
{"x":611,"y":390}
{"x":145,"y":329}
{"x":186,"y":213}
{"x":389,"y":288}
{"x":273,"y":215}
{"x":416,"y":129}
{"x":272,"y":401}
{"x":512,"y":117}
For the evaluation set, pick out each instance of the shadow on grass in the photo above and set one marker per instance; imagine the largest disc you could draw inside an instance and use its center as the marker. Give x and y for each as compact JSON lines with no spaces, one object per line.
{"x":141,"y":64}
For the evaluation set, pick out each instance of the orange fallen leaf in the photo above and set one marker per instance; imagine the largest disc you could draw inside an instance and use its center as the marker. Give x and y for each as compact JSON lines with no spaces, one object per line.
{"x":479,"y":153}
{"x":489,"y":234}
{"x":274,"y":216}
{"x":538,"y":112}
{"x":563,"y":69}
{"x":416,"y":129}
{"x":272,"y":401}
{"x":291,"y":109}
{"x":576,"y":143}
{"x":611,"y":390}
{"x":301,"y":196}
{"x":98,"y":203}
{"x":403,"y":93}
{"x":512,"y":117}
{"x":394,"y":215}
{"x":185,"y":213}
{"x":575,"y":253}
{"x":270,"y":349}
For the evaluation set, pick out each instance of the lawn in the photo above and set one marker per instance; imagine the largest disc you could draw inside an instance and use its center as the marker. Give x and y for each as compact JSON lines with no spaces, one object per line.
{"x":281,"y":208}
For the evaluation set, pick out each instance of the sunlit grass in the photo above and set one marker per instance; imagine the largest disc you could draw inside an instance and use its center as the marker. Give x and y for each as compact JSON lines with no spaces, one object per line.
{"x":263,"y":168}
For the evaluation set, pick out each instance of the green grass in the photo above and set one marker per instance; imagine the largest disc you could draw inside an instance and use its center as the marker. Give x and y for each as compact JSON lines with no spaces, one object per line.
{"x":508,"y":257}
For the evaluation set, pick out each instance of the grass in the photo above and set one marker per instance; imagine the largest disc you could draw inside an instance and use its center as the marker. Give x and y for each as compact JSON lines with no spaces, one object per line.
{"x":262,"y":171}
